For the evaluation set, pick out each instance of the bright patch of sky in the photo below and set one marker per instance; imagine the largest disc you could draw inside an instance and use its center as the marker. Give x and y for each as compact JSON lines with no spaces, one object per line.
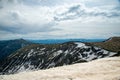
{"x":59,"y":19}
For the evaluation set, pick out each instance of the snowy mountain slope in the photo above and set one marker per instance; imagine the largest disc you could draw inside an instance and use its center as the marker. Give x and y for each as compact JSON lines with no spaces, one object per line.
{"x":35,"y":57}
{"x":101,"y":69}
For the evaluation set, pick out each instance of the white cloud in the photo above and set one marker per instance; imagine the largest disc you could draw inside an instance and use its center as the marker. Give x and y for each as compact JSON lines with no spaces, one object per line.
{"x":60,"y":19}
{"x":27,"y":19}
{"x":80,"y":11}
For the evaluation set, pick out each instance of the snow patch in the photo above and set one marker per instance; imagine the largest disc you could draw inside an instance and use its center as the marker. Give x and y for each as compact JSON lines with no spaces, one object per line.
{"x":37,"y":47}
{"x":60,"y":51}
{"x":42,"y":49}
{"x":91,"y":57}
{"x":80,"y":44}
{"x":31,"y":51}
{"x":22,"y":68}
{"x":57,"y":53}
{"x":105,"y":52}
{"x":52,"y":64}
{"x":112,"y":53}
{"x":66,"y":51}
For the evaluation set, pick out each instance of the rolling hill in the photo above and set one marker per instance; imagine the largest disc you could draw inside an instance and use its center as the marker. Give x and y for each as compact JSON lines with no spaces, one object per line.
{"x":9,"y":46}
{"x":112,"y":44}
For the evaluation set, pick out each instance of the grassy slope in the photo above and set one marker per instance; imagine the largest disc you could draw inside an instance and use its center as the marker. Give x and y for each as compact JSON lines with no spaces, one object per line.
{"x":112,"y":44}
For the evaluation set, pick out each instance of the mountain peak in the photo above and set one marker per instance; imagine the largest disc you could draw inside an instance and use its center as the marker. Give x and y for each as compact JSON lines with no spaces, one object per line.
{"x":114,"y":39}
{"x":9,"y":46}
{"x":20,"y":39}
{"x":111,"y":44}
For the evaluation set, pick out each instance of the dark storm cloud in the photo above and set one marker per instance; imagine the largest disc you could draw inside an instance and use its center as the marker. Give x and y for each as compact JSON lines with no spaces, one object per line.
{"x":118,"y":6}
{"x":1,"y":6}
{"x":78,"y":11}
{"x":72,"y":13}
{"x":13,"y":21}
{"x":14,"y":15}
{"x":23,"y":29}
{"x":9,"y":29}
{"x":15,"y":25}
{"x":74,"y":8}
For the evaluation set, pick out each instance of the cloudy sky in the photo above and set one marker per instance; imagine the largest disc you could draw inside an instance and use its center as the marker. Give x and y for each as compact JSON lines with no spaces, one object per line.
{"x":59,"y":19}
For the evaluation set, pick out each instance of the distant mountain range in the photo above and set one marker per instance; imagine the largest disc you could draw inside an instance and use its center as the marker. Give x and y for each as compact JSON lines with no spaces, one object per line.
{"x":57,"y":41}
{"x":44,"y":56}
{"x":9,"y":46}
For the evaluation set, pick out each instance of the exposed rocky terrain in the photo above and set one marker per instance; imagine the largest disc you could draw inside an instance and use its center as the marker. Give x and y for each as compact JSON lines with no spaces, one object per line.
{"x":44,"y":56}
{"x":36,"y":56}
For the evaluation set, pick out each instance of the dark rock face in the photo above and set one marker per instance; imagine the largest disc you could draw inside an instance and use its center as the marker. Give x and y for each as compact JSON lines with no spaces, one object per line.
{"x":10,"y":46}
{"x":37,"y":56}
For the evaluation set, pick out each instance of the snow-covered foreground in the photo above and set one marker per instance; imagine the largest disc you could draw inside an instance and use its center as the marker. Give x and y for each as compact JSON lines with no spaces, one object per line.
{"x":102,"y":69}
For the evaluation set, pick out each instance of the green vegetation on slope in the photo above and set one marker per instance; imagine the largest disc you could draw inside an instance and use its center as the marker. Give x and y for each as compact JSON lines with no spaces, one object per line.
{"x":112,"y":44}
